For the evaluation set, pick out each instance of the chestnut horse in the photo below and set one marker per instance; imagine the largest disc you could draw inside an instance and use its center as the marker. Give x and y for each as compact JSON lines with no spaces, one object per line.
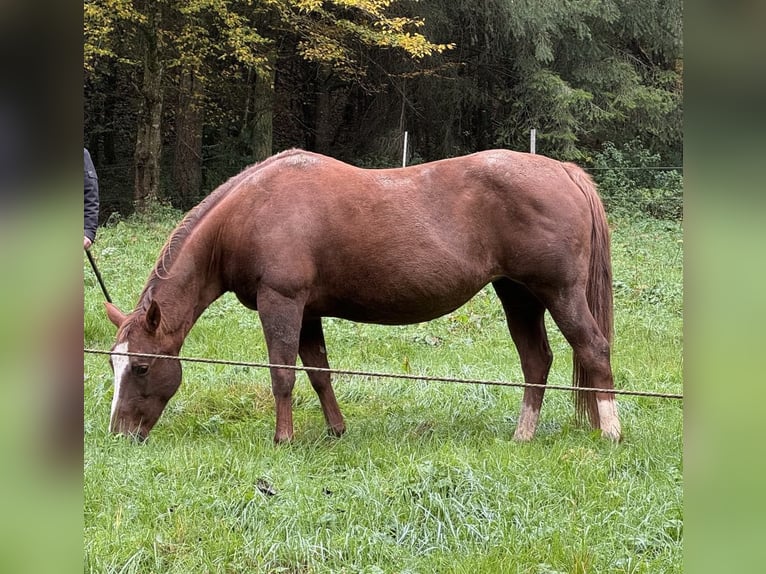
{"x":301,"y":236}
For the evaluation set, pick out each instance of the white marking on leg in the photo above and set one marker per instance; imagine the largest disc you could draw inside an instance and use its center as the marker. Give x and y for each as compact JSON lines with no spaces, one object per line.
{"x":528,"y":417}
{"x":610,"y":422}
{"x":120,"y":363}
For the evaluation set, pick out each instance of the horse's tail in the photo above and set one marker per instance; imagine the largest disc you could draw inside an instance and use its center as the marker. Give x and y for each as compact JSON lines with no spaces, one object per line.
{"x":598,"y":290}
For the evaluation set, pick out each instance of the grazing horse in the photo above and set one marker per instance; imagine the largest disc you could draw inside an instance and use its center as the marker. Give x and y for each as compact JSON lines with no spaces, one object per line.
{"x":301,"y":236}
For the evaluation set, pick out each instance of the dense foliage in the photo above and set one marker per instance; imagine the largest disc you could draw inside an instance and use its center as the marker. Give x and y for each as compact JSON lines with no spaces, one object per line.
{"x":181,"y":95}
{"x":633,"y":180}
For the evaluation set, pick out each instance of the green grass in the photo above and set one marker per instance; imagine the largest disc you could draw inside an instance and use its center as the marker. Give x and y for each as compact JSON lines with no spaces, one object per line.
{"x":427,"y":478}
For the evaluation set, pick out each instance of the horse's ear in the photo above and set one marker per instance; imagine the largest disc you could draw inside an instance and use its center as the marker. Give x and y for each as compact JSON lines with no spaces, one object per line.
{"x":115,"y":315}
{"x":153,"y":316}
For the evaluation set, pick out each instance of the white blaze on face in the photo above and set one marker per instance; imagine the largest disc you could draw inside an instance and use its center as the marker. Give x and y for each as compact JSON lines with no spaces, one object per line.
{"x":120,"y":364}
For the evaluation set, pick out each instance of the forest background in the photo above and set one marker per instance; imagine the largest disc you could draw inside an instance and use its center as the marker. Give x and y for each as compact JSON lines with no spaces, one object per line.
{"x":180,"y":95}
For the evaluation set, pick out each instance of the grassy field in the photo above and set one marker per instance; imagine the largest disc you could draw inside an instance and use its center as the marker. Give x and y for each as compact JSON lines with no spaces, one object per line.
{"x":427,"y":478}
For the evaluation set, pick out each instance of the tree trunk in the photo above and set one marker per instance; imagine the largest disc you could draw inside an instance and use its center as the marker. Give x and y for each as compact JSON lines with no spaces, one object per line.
{"x":187,"y":159}
{"x":330,"y":101}
{"x":324,"y":128}
{"x":149,"y":137}
{"x":263,"y":110}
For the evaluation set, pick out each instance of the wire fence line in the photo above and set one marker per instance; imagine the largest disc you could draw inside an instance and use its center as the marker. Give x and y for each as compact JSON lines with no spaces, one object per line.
{"x":665,"y":167}
{"x":405,"y":376}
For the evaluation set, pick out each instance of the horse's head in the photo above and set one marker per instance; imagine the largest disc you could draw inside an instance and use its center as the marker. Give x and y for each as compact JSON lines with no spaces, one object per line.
{"x":142,"y":385}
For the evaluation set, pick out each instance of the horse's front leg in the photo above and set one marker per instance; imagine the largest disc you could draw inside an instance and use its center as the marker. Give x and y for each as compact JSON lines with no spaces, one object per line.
{"x":281,"y":318}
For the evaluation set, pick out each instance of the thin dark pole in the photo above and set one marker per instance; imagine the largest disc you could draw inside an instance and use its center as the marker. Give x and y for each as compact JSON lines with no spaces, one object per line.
{"x":98,"y":276}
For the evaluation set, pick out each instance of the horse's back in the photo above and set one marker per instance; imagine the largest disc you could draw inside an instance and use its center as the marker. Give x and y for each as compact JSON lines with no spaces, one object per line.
{"x":304,"y":188}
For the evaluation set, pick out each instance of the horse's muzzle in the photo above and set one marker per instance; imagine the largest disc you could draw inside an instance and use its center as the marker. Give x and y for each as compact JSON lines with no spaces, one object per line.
{"x":137,"y":433}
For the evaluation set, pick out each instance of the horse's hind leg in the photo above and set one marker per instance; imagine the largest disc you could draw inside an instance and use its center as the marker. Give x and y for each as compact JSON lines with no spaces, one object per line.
{"x":569,"y":309}
{"x":281,"y":319}
{"x":525,"y":315}
{"x":313,"y":353}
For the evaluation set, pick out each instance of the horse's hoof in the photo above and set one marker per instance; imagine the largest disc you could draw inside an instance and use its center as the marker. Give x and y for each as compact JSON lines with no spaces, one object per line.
{"x":612,"y":433}
{"x":336,"y":431}
{"x":283,"y":439}
{"x":523,"y":435}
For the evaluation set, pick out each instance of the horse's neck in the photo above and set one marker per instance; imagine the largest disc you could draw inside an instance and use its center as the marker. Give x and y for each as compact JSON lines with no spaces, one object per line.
{"x":189,"y":287}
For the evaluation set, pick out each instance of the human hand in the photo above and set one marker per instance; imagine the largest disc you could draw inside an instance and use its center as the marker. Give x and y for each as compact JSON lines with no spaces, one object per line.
{"x":86,"y":243}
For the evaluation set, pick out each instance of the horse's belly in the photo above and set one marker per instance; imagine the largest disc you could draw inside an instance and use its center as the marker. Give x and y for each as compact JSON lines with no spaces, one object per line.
{"x":402,"y":304}
{"x":379,"y":317}
{"x":384,"y":316}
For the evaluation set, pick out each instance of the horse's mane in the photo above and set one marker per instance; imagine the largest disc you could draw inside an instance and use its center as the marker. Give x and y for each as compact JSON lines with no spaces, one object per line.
{"x":182,"y":231}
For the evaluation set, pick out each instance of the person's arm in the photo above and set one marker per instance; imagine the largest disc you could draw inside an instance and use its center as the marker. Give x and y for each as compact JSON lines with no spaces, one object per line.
{"x":91,"y":202}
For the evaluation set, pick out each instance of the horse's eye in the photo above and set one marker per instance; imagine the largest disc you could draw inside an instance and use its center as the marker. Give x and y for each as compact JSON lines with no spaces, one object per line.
{"x":140,"y":370}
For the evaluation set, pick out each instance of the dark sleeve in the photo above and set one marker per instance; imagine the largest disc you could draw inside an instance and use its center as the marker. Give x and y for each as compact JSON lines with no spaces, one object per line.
{"x":91,"y":198}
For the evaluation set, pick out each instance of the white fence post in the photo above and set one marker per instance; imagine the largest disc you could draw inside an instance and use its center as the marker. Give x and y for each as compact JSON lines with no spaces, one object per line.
{"x":532,"y":137}
{"x":404,"y":150}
